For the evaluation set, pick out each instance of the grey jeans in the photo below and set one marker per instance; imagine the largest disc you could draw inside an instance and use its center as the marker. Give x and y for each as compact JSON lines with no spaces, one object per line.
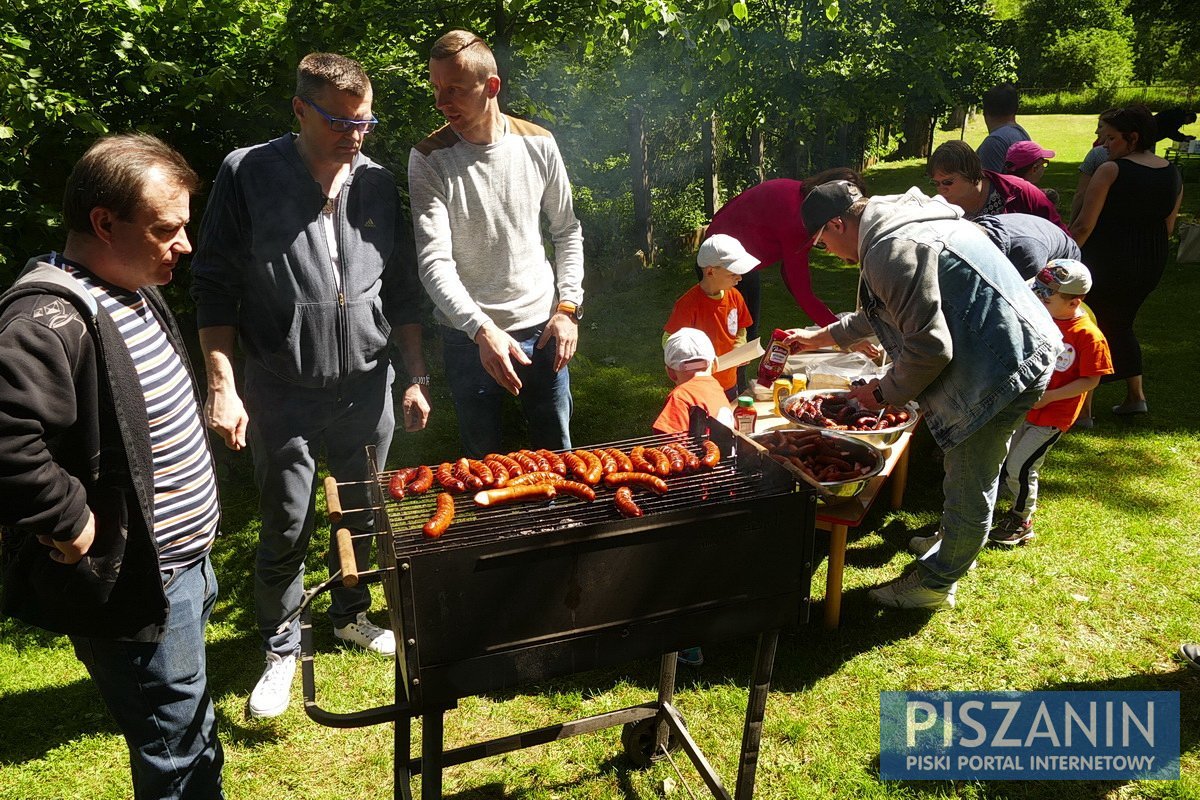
{"x":289,"y":425}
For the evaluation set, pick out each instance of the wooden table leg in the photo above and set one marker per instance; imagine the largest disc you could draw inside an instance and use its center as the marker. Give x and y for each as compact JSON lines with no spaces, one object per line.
{"x":833,"y":579}
{"x":899,"y":480}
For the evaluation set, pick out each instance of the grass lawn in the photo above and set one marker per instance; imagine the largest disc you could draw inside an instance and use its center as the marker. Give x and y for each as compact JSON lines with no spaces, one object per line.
{"x":1101,"y":601}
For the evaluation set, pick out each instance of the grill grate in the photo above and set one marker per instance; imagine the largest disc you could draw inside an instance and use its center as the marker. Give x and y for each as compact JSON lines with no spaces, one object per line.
{"x":475,"y":524}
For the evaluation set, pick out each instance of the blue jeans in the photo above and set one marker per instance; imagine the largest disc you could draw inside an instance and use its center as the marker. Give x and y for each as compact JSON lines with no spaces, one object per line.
{"x":479,"y":400}
{"x":288,"y":426}
{"x":158,"y":693}
{"x":970,"y":486}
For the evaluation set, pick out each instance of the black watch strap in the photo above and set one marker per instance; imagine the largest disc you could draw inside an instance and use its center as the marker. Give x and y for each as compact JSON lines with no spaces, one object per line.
{"x":878,"y":395}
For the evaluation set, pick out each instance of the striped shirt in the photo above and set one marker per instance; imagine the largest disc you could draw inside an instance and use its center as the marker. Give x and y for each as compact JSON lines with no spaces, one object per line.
{"x":186,"y":509}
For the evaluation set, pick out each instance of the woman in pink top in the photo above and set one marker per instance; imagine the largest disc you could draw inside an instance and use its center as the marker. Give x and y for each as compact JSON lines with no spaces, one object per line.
{"x":766,"y":220}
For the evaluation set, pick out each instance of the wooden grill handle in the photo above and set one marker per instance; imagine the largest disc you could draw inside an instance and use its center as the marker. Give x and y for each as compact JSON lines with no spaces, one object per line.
{"x":345,"y":548}
{"x":333,"y":500}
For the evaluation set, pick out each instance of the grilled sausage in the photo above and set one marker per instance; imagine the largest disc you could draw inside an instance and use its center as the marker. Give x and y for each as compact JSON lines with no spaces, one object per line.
{"x":675,"y":461}
{"x":712,"y":454}
{"x":625,"y":503}
{"x":662,"y":464}
{"x":510,"y":493}
{"x":399,"y":482}
{"x":421,"y":481}
{"x":554,"y":460}
{"x":443,"y":515}
{"x":525,"y":459}
{"x":622,"y":459}
{"x":608,"y":464}
{"x":514,"y":469}
{"x":445,"y":478}
{"x":637,"y":457}
{"x":642,"y":479}
{"x":499,"y":472}
{"x":576,"y":465}
{"x":532,"y":478}
{"x":595,"y":470}
{"x":576,"y":489}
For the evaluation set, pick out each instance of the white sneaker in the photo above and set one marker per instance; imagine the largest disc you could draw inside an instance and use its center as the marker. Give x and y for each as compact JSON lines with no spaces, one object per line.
{"x":274,"y":689}
{"x":923,"y":544}
{"x":368,"y":636}
{"x":908,"y":592}
{"x":920,"y":545}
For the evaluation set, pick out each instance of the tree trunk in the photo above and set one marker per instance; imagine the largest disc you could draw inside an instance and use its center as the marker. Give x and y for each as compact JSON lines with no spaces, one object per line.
{"x":756,"y":153}
{"x":640,"y":167}
{"x":918,"y":130}
{"x":712,"y":196}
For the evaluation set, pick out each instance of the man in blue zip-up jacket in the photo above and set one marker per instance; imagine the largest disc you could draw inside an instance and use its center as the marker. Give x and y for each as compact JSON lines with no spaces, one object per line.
{"x":304,"y":256}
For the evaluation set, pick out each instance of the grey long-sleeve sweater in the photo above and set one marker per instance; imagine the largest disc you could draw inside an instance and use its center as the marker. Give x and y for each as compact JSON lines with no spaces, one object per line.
{"x":476,"y":215}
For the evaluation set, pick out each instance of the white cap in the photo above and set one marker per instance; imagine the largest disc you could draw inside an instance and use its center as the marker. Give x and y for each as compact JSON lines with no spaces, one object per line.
{"x":720,"y":250}
{"x":688,"y":348}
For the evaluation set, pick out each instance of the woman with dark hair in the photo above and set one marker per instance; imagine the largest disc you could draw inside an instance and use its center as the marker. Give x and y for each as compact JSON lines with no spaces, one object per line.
{"x":1128,"y":213}
{"x":766,"y":220}
{"x":960,"y":178}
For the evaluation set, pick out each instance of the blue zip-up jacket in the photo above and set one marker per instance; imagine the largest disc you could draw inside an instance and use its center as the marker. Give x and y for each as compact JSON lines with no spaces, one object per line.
{"x":262,"y":265}
{"x":965,"y":332}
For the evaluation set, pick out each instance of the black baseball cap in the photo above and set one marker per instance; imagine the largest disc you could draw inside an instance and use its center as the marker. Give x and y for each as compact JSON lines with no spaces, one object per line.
{"x":823,"y":203}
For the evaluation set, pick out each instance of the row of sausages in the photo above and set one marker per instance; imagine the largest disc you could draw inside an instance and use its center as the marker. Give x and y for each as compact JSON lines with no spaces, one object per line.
{"x":824,"y":458}
{"x":540,"y":475}
{"x":836,"y":412}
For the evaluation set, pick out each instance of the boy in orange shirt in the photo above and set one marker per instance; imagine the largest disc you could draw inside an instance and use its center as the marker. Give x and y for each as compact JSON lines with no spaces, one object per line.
{"x":689,"y":356}
{"x":1061,"y":286}
{"x":713,"y":305}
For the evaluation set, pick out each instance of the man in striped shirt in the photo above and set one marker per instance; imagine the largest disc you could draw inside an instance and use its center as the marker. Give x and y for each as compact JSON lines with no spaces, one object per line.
{"x":111,"y":503}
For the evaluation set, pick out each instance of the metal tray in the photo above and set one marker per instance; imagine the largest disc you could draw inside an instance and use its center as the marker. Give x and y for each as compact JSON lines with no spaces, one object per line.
{"x":883,"y":437}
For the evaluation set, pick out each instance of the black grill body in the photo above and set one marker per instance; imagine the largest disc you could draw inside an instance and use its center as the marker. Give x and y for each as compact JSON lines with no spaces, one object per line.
{"x":516,"y":595}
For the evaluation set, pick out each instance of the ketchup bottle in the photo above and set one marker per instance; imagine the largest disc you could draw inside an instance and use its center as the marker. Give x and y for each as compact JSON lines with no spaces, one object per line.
{"x":771,"y":366}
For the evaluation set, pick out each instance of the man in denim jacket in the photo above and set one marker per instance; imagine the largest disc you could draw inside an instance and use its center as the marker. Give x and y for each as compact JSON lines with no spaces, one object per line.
{"x":968,"y":341}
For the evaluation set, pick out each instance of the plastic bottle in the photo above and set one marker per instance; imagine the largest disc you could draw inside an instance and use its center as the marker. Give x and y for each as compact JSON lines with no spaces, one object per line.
{"x":781,"y":390}
{"x":744,"y":416}
{"x":773,"y":361}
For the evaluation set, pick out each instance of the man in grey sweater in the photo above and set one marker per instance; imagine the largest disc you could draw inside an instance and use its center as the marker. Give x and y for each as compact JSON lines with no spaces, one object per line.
{"x":509,"y":319}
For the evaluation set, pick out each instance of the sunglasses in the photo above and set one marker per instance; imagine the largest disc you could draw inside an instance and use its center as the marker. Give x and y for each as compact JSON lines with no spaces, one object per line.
{"x":946,"y":182}
{"x":340,"y":125}
{"x":817,"y":244}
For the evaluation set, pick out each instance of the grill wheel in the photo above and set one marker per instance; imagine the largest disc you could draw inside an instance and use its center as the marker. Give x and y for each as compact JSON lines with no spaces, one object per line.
{"x":638,"y":740}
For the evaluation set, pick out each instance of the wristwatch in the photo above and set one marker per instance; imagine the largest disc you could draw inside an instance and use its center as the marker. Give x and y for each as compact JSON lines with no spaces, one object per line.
{"x":572,"y":310}
{"x":878,"y":395}
{"x":419,"y":380}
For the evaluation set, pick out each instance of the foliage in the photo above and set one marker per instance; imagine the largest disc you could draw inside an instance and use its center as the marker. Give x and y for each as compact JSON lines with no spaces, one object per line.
{"x":1090,"y":57}
{"x":1067,"y":28}
{"x":1095,"y":100}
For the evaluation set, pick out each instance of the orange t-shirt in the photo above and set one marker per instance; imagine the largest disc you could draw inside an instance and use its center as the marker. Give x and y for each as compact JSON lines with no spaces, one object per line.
{"x":1084,"y":354}
{"x":720,"y":318}
{"x":699,"y":390}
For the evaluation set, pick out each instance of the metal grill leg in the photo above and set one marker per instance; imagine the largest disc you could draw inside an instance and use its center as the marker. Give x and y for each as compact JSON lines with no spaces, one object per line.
{"x":431,"y":754}
{"x":401,"y":776}
{"x":666,"y":695}
{"x":756,"y":706}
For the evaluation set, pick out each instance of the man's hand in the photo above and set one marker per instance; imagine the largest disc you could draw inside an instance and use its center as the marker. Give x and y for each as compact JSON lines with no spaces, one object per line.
{"x":415,"y":407}
{"x":866,"y":348}
{"x":225,"y":414}
{"x":71,"y":552}
{"x":564,"y":329}
{"x":799,"y":339}
{"x":497,"y":351}
{"x":865,"y":395}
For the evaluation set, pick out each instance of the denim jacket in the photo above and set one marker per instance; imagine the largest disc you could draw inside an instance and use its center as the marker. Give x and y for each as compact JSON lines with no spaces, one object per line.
{"x":965,"y":333}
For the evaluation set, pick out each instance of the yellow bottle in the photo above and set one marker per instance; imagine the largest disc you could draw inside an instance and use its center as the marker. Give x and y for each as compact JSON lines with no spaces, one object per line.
{"x":781,"y":390}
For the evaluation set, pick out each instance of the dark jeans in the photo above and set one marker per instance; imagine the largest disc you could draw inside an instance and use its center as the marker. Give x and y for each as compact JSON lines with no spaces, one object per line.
{"x":158,"y":693}
{"x":479,"y":400}
{"x":289,"y":425}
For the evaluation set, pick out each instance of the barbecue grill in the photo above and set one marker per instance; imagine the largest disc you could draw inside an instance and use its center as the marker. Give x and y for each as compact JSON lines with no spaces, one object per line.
{"x":516,"y":594}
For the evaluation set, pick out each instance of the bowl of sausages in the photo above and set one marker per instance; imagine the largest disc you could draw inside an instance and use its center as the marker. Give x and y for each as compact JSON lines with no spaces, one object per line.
{"x":840,"y":466}
{"x":836,"y":410}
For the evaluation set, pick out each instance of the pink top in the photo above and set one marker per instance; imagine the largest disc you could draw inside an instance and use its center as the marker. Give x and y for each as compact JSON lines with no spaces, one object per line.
{"x":766,"y":220}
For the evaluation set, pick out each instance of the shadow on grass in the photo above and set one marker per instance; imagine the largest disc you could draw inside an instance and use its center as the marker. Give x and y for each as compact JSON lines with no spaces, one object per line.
{"x":63,"y":714}
{"x":1181,"y":680}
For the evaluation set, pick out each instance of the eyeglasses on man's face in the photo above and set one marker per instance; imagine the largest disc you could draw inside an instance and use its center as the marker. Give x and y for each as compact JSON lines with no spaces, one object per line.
{"x":944,"y":182}
{"x":340,"y":125}
{"x":818,"y":244}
